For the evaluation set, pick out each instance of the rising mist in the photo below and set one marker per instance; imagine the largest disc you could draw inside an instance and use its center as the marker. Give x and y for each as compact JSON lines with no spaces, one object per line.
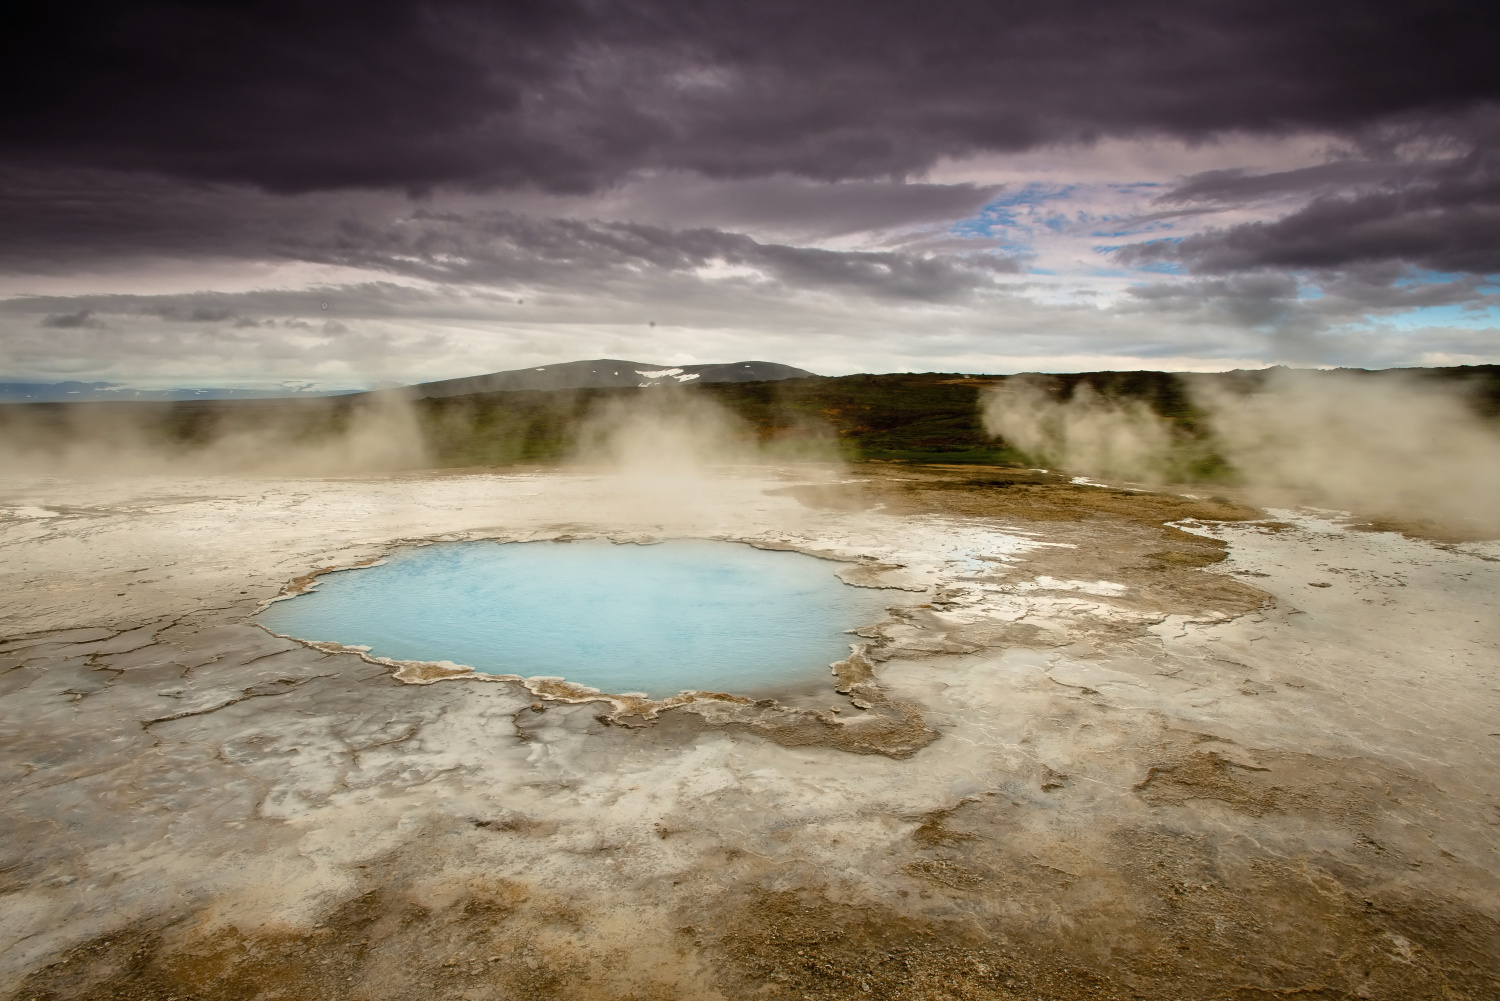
{"x":1382,"y":445}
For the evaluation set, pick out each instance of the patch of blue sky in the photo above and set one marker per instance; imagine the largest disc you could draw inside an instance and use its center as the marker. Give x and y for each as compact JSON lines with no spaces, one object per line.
{"x":1126,"y":227}
{"x":1163,"y":268}
{"x":1017,"y":209}
{"x":1453,"y":315}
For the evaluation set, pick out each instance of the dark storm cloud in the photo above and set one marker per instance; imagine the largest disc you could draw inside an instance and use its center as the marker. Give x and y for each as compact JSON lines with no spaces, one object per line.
{"x":1441,"y":227}
{"x":796,"y":205}
{"x":245,"y":310}
{"x":1313,"y":329}
{"x":1269,"y":297}
{"x":62,"y":221}
{"x":198,"y":314}
{"x":69,"y":321}
{"x":494,"y":251}
{"x":1249,"y":301}
{"x":1442,"y":214}
{"x":569,"y":95}
{"x":1237,"y":187}
{"x":501,"y":248}
{"x":427,"y":166}
{"x":58,"y":223}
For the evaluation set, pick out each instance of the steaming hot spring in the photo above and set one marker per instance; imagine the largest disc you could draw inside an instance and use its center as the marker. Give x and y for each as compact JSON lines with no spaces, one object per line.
{"x":652,"y":620}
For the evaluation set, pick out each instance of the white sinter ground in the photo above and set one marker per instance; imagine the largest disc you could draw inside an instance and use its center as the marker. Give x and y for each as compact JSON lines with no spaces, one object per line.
{"x":167,"y":764}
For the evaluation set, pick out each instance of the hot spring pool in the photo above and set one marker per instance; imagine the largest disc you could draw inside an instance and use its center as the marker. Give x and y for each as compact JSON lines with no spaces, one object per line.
{"x":658,"y":619}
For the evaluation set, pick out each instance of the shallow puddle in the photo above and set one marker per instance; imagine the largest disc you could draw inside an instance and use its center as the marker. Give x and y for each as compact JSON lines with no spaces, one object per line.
{"x":657,"y":619}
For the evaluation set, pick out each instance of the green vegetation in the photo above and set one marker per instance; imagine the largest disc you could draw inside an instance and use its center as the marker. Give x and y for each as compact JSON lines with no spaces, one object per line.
{"x":917,"y":418}
{"x":507,"y":428}
{"x":920,"y":418}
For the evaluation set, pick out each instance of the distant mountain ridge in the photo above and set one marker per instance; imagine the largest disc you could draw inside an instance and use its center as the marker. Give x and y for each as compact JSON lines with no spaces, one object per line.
{"x":594,"y":374}
{"x":602,"y":373}
{"x":89,"y":392}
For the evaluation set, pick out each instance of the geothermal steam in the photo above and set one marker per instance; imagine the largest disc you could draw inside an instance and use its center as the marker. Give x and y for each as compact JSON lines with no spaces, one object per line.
{"x":1090,"y":433}
{"x":379,"y":431}
{"x":663,"y":434}
{"x":662,"y":449}
{"x":1386,"y":445}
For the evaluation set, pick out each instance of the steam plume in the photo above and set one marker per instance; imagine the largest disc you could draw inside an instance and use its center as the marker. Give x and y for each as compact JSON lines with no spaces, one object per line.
{"x":1089,"y":433}
{"x":376,"y":432}
{"x":1386,"y":445}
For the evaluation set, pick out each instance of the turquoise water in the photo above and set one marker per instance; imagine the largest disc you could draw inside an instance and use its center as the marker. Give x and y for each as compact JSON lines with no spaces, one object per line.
{"x":659,"y":619}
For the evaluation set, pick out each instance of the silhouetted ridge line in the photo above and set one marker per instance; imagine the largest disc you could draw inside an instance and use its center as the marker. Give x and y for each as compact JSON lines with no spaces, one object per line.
{"x":607,"y":372}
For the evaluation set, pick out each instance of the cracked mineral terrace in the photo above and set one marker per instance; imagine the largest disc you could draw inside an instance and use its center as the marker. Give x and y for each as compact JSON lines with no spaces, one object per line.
{"x":1109,"y":744}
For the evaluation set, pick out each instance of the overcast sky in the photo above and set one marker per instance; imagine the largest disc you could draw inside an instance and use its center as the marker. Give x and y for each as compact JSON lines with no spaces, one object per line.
{"x":352,"y":193}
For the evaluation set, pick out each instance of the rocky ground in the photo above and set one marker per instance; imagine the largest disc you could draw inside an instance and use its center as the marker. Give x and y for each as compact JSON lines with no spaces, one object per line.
{"x":1252,"y":756}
